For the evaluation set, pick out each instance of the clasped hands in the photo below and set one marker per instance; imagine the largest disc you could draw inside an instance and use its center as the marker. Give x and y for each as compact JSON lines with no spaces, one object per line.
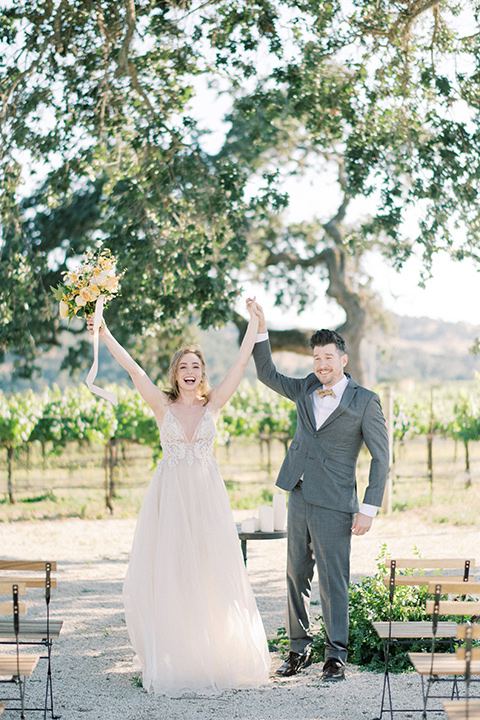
{"x":256,"y":310}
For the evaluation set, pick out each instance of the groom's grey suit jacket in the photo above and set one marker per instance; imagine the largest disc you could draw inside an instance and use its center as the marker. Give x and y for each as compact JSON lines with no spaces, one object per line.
{"x":327,"y":457}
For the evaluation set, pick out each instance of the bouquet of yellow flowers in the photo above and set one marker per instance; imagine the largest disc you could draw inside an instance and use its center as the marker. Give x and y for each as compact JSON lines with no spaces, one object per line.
{"x":81,"y":288}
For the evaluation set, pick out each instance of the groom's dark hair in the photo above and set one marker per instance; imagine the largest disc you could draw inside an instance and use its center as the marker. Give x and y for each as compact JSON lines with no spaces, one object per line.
{"x":328,"y":337}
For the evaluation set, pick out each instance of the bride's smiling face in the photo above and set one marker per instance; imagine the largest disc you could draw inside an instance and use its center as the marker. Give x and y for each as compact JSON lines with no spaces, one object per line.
{"x":189,"y":372}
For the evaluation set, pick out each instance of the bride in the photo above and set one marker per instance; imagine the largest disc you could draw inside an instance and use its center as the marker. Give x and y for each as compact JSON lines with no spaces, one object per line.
{"x":190,"y":611}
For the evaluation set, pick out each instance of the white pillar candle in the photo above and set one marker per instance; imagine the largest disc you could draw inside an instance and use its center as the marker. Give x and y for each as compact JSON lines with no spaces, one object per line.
{"x":250,"y":525}
{"x":265,"y":514}
{"x":280,"y":512}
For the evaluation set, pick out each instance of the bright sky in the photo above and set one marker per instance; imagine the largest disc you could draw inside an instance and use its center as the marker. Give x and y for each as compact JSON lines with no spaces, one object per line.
{"x":453,"y":294}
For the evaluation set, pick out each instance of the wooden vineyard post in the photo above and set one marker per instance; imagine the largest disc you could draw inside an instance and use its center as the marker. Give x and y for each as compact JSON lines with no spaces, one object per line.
{"x":387,"y":503}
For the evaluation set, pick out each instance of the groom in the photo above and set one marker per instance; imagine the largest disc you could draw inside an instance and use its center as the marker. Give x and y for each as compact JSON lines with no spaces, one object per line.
{"x":335,"y":417}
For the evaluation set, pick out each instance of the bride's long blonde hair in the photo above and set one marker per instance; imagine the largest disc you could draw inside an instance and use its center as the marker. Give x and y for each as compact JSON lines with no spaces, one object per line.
{"x":204,"y":387}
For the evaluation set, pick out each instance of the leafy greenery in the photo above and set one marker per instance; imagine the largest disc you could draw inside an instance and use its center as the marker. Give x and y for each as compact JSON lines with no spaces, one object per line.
{"x":102,"y":120}
{"x":97,"y":103}
{"x":369,"y":601}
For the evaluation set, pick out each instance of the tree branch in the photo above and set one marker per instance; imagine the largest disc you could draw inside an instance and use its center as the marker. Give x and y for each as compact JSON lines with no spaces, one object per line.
{"x":331,"y":227}
{"x":123,"y":62}
{"x":294,"y":340}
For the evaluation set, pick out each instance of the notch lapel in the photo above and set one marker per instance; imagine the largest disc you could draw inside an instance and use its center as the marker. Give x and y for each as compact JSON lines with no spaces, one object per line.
{"x":312,"y":387}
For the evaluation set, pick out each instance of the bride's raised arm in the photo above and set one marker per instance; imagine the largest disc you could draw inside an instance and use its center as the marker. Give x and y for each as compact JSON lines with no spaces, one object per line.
{"x":221,"y":394}
{"x":155,"y":398}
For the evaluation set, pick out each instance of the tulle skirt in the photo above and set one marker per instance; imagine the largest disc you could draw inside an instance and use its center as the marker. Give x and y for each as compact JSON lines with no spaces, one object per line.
{"x":190,"y":610}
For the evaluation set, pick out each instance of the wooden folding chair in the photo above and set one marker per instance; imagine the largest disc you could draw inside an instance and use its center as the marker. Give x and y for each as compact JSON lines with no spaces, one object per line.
{"x":38,"y":632}
{"x":466,"y":709}
{"x":15,"y":667}
{"x":419,"y":572}
{"x":434,"y":667}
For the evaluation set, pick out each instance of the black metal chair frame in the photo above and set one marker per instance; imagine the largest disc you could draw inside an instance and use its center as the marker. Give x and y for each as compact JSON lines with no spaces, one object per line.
{"x":432,"y":678}
{"x":46,"y":642}
{"x":16,"y":677}
{"x":468,"y":659}
{"x":390,"y":641}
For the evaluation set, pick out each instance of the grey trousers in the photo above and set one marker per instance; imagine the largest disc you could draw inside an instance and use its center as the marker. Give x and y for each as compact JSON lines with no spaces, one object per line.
{"x":322,"y":536}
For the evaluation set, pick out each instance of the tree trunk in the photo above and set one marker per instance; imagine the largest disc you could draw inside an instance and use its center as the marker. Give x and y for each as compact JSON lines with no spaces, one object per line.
{"x":113,"y":467}
{"x":341,"y":270}
{"x":108,"y":478}
{"x":430,"y":460}
{"x":11,"y":495}
{"x":467,"y":457}
{"x":430,"y":444}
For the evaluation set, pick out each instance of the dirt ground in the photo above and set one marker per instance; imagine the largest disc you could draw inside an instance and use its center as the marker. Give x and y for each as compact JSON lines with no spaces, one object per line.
{"x":92,"y":673}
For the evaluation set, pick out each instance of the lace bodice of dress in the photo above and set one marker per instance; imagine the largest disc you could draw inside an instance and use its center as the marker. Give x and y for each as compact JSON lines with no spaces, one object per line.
{"x":176,"y":446}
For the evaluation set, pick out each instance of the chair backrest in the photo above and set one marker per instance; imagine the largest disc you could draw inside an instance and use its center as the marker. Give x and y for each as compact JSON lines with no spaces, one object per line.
{"x":461,"y":653}
{"x":13,"y":607}
{"x":468,"y":653}
{"x":473,"y":631}
{"x":43,"y":579}
{"x":466,"y":608}
{"x":7,"y":607}
{"x":31,"y":565}
{"x":424,"y":566}
{"x":431,"y":563}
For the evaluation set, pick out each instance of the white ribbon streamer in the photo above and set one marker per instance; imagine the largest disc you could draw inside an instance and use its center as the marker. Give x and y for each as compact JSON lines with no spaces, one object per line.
{"x":92,"y":373}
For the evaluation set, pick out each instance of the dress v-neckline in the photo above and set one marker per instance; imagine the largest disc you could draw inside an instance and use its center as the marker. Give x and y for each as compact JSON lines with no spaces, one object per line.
{"x":183,"y":429}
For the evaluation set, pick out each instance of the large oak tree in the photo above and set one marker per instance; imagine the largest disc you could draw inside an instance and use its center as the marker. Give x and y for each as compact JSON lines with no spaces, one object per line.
{"x":96,"y":98}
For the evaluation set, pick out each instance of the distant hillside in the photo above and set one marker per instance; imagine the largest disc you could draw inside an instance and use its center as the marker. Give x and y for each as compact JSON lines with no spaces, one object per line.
{"x":417,"y":349}
{"x":423,"y":348}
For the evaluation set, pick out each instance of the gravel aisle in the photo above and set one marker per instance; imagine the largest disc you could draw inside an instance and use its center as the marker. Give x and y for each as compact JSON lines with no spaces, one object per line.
{"x":92,"y":672}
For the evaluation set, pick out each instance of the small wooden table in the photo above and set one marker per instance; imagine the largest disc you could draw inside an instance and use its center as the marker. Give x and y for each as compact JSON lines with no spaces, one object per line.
{"x":259,"y":535}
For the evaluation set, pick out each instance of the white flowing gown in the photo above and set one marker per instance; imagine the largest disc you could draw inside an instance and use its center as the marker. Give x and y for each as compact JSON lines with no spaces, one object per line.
{"x":191,"y":615}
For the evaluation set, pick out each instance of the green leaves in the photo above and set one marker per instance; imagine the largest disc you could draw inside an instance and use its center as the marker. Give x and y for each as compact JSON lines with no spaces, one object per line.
{"x":97,"y":95}
{"x":103,"y":103}
{"x":18,"y":416}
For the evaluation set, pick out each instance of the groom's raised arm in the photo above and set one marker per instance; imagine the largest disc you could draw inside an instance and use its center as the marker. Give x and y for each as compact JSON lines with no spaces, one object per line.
{"x":266,"y":371}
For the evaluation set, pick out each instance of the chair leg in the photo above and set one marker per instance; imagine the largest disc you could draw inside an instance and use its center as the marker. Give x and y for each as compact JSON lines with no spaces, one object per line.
{"x":425,"y":692}
{"x":49,"y":686}
{"x":386,"y":684}
{"x":21,"y":689}
{"x":454,"y":695}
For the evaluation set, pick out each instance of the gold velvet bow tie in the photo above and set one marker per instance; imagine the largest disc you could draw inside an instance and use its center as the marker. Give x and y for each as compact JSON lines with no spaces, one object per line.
{"x":322,"y":393}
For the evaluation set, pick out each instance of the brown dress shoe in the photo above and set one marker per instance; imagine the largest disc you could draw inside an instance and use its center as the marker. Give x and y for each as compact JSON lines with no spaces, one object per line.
{"x":334,"y":669}
{"x":294,"y":663}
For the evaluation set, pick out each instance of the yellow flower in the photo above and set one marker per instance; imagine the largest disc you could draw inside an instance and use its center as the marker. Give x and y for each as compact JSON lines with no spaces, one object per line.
{"x":108,"y":265}
{"x":93,"y":291}
{"x":112,"y":284}
{"x":64,"y":311}
{"x":88,"y":294}
{"x":99,"y":278}
{"x":80,"y":301}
